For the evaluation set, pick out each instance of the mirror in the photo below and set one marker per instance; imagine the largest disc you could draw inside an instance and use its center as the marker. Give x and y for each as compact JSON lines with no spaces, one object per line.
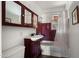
{"x":13,"y":12}
{"x":28,"y":16}
{"x":35,"y":19}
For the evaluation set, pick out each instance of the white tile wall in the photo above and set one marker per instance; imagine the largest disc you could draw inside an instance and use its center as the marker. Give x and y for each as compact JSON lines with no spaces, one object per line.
{"x":12,"y":36}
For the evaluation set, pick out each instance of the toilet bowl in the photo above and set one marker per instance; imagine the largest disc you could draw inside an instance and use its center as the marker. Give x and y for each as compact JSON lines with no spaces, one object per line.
{"x":47,"y":47}
{"x":15,"y":52}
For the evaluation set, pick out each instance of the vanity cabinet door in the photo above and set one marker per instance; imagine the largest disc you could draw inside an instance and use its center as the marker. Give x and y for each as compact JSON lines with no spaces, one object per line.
{"x":36,"y":49}
{"x":28,"y":47}
{"x":32,"y":48}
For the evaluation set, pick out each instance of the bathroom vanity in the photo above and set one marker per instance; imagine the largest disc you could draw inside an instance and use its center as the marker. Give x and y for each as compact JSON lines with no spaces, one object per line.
{"x":32,"y":46}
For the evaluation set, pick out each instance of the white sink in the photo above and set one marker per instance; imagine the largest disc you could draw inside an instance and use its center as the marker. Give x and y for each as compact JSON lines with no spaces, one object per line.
{"x":35,"y":37}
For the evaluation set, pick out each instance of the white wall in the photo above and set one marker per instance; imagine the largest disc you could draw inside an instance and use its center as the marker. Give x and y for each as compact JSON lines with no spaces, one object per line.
{"x":32,"y":6}
{"x":12,"y":36}
{"x":73,"y":33}
{"x":61,"y":35}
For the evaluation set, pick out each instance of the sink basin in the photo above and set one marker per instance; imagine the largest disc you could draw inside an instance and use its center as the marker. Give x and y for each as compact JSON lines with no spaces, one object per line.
{"x":35,"y":37}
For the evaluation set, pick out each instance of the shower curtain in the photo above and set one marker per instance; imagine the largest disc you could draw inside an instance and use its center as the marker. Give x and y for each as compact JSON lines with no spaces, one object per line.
{"x":61,"y":38}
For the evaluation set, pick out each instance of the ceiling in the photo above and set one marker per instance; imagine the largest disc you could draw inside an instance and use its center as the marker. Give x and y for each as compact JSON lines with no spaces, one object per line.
{"x":47,"y":5}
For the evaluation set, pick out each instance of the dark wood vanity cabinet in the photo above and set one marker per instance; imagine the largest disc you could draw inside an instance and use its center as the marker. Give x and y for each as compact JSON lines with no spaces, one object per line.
{"x":32,"y":48}
{"x":27,"y":44}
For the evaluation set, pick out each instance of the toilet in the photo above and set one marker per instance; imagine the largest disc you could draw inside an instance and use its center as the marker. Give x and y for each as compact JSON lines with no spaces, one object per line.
{"x":15,"y":52}
{"x":47,"y":47}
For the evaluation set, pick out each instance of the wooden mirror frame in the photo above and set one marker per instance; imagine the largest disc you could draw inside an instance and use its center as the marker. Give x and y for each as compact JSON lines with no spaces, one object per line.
{"x":37,"y":20}
{"x":28,"y":25}
{"x":4,"y":14}
{"x":22,"y":15}
{"x":76,"y":14}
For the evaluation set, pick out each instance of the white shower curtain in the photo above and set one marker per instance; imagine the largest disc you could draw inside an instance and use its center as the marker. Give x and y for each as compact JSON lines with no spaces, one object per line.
{"x":61,"y":39}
